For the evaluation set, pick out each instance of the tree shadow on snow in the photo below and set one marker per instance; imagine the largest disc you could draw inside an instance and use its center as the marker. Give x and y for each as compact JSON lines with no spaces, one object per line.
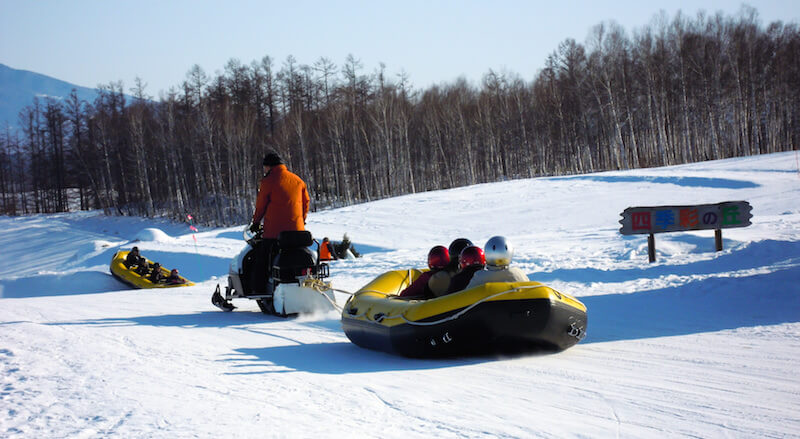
{"x":205,"y":319}
{"x":699,"y":182}
{"x":332,"y":358}
{"x":82,"y":282}
{"x":323,"y":358}
{"x":749,"y":256}
{"x":708,"y":305}
{"x":231,"y":234}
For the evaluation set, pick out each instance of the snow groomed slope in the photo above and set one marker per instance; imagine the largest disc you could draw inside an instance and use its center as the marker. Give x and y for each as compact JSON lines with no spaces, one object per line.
{"x":698,"y":344}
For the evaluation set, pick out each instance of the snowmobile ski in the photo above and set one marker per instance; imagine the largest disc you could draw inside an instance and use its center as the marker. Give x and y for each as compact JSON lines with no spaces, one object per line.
{"x":220,"y":302}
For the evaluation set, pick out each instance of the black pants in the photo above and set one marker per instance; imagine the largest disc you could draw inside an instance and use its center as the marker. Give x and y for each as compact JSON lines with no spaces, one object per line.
{"x":260,"y":278}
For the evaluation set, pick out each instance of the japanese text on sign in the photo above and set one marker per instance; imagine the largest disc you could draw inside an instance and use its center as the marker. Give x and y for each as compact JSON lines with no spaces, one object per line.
{"x":662,"y":219}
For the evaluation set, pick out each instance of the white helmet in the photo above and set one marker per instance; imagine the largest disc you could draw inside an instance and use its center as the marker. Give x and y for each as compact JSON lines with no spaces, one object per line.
{"x":498,"y":251}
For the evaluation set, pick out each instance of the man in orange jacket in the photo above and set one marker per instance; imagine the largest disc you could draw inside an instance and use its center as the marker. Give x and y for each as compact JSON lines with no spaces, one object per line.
{"x":282,"y":204}
{"x":282,"y":199}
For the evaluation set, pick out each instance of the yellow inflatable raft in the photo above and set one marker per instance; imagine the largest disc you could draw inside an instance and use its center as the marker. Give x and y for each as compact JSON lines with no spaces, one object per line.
{"x":134,"y":279}
{"x":494,"y":317}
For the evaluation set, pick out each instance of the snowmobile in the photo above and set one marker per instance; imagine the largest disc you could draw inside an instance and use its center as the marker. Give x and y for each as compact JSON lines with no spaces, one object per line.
{"x":295,"y":285}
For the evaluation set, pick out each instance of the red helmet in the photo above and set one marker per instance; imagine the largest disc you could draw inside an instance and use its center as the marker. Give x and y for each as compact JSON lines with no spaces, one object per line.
{"x":174,"y":272}
{"x":471,"y":256}
{"x":438,"y":257}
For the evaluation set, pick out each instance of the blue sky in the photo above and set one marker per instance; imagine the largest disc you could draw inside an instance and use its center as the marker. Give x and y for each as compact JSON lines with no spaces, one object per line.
{"x":93,"y":42}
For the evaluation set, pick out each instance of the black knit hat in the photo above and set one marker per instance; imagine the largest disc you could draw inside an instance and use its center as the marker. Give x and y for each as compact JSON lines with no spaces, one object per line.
{"x":272,"y":159}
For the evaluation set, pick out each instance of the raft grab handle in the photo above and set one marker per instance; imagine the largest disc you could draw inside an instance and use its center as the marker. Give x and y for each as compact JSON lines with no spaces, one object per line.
{"x":380,"y":317}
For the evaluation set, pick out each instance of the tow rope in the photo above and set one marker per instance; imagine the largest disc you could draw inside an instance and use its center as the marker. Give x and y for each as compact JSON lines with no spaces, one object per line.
{"x":321,"y":287}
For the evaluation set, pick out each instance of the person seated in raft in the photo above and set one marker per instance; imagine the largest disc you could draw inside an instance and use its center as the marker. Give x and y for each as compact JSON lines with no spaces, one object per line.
{"x":440,"y":281}
{"x":174,"y":278}
{"x":326,"y":252}
{"x":438,"y":258}
{"x":498,"y":251}
{"x":341,"y":249}
{"x":143,"y":269}
{"x":133,"y":257}
{"x":155,"y":275}
{"x":471,"y":261}
{"x":136,"y":262}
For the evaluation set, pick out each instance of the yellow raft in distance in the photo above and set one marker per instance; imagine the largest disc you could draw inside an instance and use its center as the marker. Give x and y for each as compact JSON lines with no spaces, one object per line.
{"x":134,"y":279}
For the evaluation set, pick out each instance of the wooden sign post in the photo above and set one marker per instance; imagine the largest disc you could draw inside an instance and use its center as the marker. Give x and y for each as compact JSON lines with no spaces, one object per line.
{"x":663,"y":219}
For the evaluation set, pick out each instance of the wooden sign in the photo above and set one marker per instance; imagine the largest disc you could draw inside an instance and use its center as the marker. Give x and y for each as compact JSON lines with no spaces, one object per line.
{"x":662,"y":219}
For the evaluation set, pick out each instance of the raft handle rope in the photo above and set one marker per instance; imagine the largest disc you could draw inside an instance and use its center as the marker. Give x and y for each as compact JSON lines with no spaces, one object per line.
{"x":380,"y":317}
{"x":465,"y":310}
{"x":319,"y":286}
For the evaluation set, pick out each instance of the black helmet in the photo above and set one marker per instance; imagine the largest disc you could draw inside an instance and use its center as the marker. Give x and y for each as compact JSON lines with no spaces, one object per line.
{"x":457,"y":246}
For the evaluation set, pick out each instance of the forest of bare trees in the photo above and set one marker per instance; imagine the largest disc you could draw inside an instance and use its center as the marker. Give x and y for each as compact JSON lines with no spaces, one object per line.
{"x":682,"y":89}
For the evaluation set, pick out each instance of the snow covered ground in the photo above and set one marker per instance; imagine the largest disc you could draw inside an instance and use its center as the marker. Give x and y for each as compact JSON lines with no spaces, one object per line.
{"x":699,"y":344}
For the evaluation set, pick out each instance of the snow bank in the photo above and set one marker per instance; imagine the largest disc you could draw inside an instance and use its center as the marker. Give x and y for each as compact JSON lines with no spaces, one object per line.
{"x":153,"y":235}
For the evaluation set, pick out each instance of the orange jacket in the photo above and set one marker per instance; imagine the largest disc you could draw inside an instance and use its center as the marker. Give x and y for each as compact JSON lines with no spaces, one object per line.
{"x":282,"y":202}
{"x":325,"y":251}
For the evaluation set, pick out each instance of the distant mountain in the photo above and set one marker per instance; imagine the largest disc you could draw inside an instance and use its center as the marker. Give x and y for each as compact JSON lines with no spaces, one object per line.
{"x":19,"y":87}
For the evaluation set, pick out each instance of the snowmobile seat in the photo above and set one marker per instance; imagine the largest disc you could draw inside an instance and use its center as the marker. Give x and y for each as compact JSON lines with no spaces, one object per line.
{"x":295,"y":259}
{"x":293,"y":239}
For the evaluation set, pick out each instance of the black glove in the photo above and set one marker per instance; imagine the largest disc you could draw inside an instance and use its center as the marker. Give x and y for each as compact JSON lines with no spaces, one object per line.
{"x":255,"y":227}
